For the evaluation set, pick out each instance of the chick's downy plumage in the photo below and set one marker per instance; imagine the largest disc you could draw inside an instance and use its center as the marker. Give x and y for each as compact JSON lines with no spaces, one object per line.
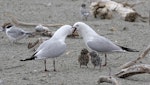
{"x":95,"y":59}
{"x":83,"y":58}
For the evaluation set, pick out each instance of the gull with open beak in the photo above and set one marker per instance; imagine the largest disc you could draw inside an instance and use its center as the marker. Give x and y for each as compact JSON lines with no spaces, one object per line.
{"x":98,"y":43}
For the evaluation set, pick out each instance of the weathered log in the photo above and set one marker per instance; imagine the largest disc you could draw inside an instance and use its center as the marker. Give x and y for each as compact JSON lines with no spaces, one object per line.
{"x":31,"y":45}
{"x":126,"y":12}
{"x":99,"y":10}
{"x":36,"y":44}
{"x":141,"y":56}
{"x":17,"y":22}
{"x":134,"y":70}
{"x":107,"y":79}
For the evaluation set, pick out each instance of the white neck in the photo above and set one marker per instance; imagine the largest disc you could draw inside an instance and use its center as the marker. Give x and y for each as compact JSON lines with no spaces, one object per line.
{"x":87,"y":32}
{"x":60,"y":34}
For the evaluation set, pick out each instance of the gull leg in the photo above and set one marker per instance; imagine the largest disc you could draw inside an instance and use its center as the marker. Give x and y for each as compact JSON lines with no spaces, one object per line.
{"x":100,"y":64}
{"x":45,"y":65}
{"x":54,"y":64}
{"x":105,"y":60}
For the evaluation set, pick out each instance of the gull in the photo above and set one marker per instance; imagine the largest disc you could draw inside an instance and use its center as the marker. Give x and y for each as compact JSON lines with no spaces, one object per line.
{"x":53,"y":47}
{"x":98,"y":43}
{"x":84,"y":12}
{"x":14,"y":33}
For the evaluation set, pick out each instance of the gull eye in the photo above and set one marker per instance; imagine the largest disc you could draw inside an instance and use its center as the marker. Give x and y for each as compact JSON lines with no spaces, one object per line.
{"x":77,"y":25}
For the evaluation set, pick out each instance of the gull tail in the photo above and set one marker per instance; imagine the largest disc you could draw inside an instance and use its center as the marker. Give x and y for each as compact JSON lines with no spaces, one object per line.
{"x":31,"y":58}
{"x":128,"y":49}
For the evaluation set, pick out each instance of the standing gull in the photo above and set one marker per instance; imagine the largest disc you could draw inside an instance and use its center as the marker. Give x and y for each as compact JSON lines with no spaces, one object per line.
{"x":53,"y":47}
{"x":84,"y":12}
{"x":98,"y":43}
{"x":14,"y":33}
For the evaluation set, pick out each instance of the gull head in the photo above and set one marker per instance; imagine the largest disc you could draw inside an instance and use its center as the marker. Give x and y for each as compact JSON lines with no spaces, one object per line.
{"x":83,"y":5}
{"x":68,"y":28}
{"x":6,"y":26}
{"x":65,"y":30}
{"x":78,"y":26}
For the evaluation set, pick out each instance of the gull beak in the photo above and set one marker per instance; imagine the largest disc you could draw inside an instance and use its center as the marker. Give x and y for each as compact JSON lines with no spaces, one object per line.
{"x":74,"y":29}
{"x":74,"y":32}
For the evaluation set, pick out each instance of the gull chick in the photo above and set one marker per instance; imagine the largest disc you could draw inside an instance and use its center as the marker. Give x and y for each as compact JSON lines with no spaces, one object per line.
{"x":84,"y":12}
{"x":98,"y":43}
{"x":95,"y":59}
{"x":53,"y":47}
{"x":83,"y":58}
{"x":14,"y":33}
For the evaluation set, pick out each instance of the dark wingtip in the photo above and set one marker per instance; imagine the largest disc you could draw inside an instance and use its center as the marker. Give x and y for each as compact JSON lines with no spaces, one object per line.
{"x":128,"y":49}
{"x":22,"y":60}
{"x":31,"y":58}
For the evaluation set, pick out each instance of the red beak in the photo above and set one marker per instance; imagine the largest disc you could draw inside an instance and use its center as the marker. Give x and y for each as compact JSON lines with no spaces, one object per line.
{"x":74,"y":30}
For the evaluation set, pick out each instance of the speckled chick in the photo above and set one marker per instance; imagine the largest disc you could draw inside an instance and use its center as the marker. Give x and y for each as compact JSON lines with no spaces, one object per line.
{"x":83,"y":58}
{"x":95,"y":59}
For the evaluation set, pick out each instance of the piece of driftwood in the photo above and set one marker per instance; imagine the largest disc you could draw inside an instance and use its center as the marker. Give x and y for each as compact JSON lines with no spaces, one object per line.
{"x":36,"y":44}
{"x":141,"y":56}
{"x":134,"y":70}
{"x":99,"y":10}
{"x":17,"y":22}
{"x":107,"y":79}
{"x":31,"y":45}
{"x":125,"y":10}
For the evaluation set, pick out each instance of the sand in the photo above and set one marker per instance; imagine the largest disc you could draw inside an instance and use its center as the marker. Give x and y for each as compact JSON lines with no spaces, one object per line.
{"x":15,"y":72}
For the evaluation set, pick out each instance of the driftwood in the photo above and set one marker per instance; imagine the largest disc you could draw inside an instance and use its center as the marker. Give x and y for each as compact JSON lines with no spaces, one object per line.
{"x":108,"y":79}
{"x":45,"y":33}
{"x":105,"y":8}
{"x":17,"y":22}
{"x":99,"y":10}
{"x":141,"y":56}
{"x":134,"y":70}
{"x":36,"y":44}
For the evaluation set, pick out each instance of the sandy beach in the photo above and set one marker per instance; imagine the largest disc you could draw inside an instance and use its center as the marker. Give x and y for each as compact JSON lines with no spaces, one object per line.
{"x":15,"y":72}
